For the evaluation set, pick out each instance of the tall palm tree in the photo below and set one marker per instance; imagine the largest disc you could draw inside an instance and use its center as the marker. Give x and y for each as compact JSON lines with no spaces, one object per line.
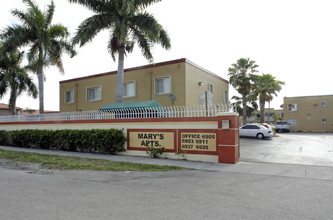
{"x":265,"y":87}
{"x":15,"y":78}
{"x":127,"y":22}
{"x":47,"y":41}
{"x":241,"y":78}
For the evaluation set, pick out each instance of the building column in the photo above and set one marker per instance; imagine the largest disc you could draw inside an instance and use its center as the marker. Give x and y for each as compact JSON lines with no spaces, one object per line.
{"x":228,"y":137}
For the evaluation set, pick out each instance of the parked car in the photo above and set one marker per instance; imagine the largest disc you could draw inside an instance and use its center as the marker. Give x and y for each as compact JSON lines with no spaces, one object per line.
{"x":267,"y":125}
{"x":282,"y":126}
{"x":253,"y":130}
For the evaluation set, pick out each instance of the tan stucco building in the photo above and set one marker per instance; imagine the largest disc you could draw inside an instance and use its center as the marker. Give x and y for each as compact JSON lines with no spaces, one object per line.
{"x":177,"y":82}
{"x":309,"y":113}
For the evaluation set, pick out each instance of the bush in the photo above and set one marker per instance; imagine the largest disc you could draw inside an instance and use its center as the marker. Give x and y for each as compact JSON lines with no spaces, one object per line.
{"x":4,"y":137}
{"x":92,"y":141}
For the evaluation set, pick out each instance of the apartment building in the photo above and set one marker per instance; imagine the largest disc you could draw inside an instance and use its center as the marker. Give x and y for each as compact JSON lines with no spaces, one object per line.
{"x":175,"y":82}
{"x":309,"y":113}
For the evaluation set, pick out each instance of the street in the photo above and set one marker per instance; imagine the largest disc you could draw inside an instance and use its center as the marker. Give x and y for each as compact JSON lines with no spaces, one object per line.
{"x":193,"y":194}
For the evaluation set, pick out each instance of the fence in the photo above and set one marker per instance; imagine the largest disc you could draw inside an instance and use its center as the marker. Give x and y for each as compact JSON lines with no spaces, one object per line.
{"x":156,"y":112}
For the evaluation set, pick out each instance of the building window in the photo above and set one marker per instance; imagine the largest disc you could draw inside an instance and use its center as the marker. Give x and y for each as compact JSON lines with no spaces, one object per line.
{"x":129,"y":89}
{"x":94,"y":93}
{"x":323,"y":120}
{"x":210,"y":87}
{"x":163,"y":85}
{"x":225,"y":97}
{"x":292,"y":121}
{"x":323,"y":104}
{"x":292,"y":107}
{"x":69,"y":96}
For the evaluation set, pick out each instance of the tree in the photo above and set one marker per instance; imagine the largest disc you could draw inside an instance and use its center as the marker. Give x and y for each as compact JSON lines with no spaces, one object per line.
{"x":15,"y":78}
{"x":251,"y":99}
{"x":47,"y":42}
{"x":127,"y":22}
{"x":265,"y":87}
{"x":241,"y":78}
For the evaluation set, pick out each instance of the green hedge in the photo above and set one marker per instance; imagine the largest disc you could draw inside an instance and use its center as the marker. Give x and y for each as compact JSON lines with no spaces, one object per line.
{"x":93,"y":141}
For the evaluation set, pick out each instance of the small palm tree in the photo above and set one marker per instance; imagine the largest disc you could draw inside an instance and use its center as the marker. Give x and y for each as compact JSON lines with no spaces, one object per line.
{"x":128,"y":22}
{"x":265,"y":87}
{"x":47,"y":42}
{"x":15,"y":78}
{"x":241,"y":78}
{"x":251,"y":107}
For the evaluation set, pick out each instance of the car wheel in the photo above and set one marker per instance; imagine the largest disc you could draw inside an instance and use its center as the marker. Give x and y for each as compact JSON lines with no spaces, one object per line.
{"x":260,"y":136}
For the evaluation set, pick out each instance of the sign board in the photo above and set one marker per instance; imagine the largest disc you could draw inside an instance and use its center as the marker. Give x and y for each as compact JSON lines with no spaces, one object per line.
{"x":197,"y":140}
{"x":140,"y":138}
{"x":192,"y":141}
{"x":225,"y":124}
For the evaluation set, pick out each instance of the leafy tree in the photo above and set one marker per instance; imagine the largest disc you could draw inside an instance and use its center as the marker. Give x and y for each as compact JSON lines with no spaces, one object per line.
{"x":241,"y":78}
{"x":29,"y":111}
{"x":47,"y":42}
{"x":250,"y":108}
{"x":127,"y":22}
{"x":265,"y":87}
{"x":15,"y":78}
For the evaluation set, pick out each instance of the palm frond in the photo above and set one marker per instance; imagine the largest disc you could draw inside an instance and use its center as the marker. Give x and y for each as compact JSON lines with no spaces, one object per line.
{"x":89,"y":28}
{"x":49,"y":14}
{"x":94,"y":5}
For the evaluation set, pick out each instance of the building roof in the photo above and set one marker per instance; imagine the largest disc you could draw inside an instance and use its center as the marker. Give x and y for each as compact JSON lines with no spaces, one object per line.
{"x":131,"y":105}
{"x":182,"y":60}
{"x":313,"y":96}
{"x":5,"y":106}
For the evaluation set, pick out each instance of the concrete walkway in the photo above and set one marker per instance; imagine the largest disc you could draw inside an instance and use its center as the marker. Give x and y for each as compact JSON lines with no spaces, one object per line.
{"x":271,"y":169}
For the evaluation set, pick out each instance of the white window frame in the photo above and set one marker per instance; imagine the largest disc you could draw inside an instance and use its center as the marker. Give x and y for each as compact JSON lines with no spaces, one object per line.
{"x":292,"y":110}
{"x":155,"y":85}
{"x":324,"y":104}
{"x":128,"y":82}
{"x":324,"y":120}
{"x":96,"y":99}
{"x":71,"y":101}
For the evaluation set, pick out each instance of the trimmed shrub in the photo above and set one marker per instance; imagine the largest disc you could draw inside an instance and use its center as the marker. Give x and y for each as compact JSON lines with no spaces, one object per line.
{"x":93,"y":141}
{"x":4,"y":137}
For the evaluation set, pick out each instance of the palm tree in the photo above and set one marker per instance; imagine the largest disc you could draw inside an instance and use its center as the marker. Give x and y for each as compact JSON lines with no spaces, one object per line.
{"x":15,"y":78}
{"x":47,"y":42}
{"x":265,"y":87}
{"x":241,"y":78}
{"x":251,"y":108}
{"x":127,"y":22}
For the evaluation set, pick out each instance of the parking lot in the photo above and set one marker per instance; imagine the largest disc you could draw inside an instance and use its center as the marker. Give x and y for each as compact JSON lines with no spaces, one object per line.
{"x":290,"y":148}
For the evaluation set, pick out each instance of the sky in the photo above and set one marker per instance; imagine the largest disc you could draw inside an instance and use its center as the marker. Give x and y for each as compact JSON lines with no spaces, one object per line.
{"x":290,"y":39}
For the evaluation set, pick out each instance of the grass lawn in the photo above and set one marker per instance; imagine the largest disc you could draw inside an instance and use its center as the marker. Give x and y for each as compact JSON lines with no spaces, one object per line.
{"x":78,"y":163}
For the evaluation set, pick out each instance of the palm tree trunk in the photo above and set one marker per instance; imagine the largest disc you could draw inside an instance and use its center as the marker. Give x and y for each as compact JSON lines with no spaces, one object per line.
{"x":40,"y":75}
{"x":12,"y":101}
{"x":120,"y":75}
{"x":244,"y":109}
{"x":262,"y":110}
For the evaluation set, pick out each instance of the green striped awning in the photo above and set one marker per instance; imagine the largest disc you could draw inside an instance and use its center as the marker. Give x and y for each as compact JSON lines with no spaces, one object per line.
{"x":131,"y":105}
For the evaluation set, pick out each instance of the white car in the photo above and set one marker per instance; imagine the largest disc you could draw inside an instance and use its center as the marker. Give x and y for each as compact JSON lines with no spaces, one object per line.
{"x":258,"y":131}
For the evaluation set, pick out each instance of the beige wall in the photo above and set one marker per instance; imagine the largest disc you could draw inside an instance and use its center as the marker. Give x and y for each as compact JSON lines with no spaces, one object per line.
{"x":310,"y":113}
{"x":184,"y":83}
{"x":194,"y":75}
